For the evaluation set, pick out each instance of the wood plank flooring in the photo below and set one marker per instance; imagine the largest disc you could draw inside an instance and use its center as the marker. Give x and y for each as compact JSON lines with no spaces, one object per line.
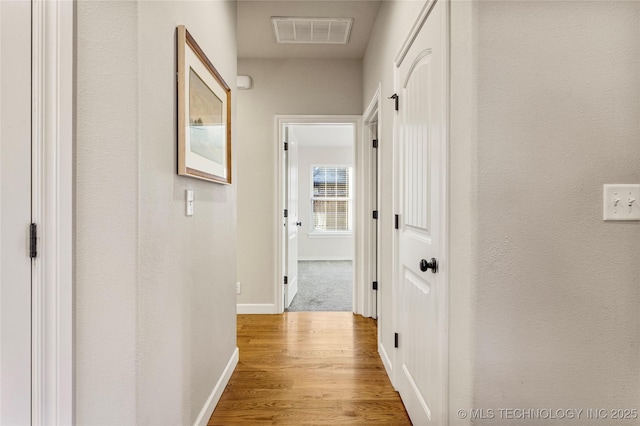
{"x":308,"y":368}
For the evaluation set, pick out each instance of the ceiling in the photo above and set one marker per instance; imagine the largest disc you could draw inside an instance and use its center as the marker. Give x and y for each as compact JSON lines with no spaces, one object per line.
{"x":256,"y":38}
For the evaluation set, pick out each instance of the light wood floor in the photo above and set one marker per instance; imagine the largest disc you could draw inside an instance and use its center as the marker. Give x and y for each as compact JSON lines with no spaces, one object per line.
{"x":308,"y":368}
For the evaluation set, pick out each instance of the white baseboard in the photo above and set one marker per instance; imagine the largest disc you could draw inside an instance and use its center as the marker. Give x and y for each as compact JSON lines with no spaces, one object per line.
{"x":315,"y":258}
{"x":388,"y":366}
{"x":212,"y":401}
{"x":256,"y":308}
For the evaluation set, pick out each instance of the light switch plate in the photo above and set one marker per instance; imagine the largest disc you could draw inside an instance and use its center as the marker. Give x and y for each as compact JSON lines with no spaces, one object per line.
{"x":189,"y":202}
{"x":621,"y":202}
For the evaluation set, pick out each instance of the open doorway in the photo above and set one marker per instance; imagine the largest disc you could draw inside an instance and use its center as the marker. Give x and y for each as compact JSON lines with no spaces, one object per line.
{"x":318,"y":199}
{"x":323,"y":204}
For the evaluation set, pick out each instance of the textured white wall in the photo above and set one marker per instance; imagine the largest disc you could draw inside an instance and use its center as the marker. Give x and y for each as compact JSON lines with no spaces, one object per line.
{"x":557,"y":289}
{"x":325,"y":247}
{"x":155,"y":300}
{"x":106,"y":213}
{"x":463,"y":222}
{"x":293,"y":87}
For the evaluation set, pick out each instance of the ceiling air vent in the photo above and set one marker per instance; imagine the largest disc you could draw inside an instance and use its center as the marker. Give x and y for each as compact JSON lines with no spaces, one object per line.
{"x":312,"y":30}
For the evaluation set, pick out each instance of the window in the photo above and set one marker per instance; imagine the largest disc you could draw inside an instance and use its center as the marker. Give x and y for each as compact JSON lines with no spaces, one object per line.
{"x":331,"y":199}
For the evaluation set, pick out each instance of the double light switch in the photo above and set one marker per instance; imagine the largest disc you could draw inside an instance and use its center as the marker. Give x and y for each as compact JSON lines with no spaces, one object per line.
{"x":621,"y":202}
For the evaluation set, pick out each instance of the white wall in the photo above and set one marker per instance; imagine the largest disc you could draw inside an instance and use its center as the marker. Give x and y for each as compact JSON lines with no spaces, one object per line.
{"x":463,"y":223}
{"x":155,"y":303}
{"x":557,"y":321}
{"x":315,"y":247}
{"x":294,"y":87}
{"x":544,"y":295}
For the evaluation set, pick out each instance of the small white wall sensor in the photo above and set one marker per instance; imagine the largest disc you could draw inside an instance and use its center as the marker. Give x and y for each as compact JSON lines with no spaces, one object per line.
{"x":189,"y":201}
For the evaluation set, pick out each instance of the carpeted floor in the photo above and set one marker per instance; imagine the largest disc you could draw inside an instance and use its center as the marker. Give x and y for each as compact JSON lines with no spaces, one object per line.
{"x":324,"y":286}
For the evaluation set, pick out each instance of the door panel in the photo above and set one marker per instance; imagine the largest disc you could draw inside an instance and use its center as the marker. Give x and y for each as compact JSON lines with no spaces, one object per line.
{"x":422,"y":302}
{"x":417,"y":356}
{"x":417,"y":144}
{"x":15,"y":212}
{"x":291,"y":288}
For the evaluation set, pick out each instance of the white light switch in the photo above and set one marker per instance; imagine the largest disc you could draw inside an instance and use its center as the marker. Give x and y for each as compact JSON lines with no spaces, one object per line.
{"x":189,"y":201}
{"x":621,"y":202}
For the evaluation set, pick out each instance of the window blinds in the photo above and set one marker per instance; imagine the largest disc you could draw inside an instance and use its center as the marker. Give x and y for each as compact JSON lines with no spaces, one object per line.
{"x":331,"y":199}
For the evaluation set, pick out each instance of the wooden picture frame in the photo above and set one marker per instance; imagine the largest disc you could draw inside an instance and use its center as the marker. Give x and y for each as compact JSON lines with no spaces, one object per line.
{"x":204,"y":114}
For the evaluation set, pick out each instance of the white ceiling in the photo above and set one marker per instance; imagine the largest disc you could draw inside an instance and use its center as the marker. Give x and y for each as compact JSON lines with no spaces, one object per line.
{"x":257,"y":40}
{"x":322,"y":135}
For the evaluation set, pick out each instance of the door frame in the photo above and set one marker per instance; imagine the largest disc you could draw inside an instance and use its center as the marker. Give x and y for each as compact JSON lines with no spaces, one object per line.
{"x":366,"y":260}
{"x":443,"y":261}
{"x":289,"y":154}
{"x":280,"y":121}
{"x":52,"y":211}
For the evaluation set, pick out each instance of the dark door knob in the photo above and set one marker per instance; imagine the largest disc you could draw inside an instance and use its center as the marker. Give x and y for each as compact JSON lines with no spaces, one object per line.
{"x":298,"y":223}
{"x":431,"y":264}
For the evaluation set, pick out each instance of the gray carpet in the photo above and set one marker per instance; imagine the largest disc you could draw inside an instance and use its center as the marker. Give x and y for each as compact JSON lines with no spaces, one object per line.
{"x":324,"y":286}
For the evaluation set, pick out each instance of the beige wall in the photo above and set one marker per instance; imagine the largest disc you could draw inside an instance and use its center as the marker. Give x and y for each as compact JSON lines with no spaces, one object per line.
{"x":285,"y":87}
{"x":155,"y":303}
{"x":557,"y":322}
{"x":463,"y":221}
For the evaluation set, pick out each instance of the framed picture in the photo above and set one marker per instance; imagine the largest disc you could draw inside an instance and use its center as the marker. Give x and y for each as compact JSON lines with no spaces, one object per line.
{"x":204,"y":115}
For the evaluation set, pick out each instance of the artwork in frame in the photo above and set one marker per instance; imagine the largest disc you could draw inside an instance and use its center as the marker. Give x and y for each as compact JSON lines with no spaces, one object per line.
{"x":204,"y":115}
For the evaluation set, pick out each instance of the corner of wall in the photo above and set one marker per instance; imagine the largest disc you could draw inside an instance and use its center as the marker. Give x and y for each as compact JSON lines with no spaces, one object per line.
{"x":462,"y":205}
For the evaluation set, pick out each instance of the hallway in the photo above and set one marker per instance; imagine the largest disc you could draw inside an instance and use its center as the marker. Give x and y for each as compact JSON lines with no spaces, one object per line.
{"x":308,"y":368}
{"x":122,"y":280}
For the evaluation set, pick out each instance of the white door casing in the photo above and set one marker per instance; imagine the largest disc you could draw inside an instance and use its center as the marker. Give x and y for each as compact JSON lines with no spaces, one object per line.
{"x":36,"y":175}
{"x":52,"y":211}
{"x":367,"y":228}
{"x":375,"y":223}
{"x":291,"y":221}
{"x":422,"y":296}
{"x":15,"y":212}
{"x":369,"y":188}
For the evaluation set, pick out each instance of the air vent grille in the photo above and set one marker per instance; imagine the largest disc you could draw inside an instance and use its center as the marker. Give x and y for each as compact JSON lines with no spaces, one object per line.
{"x":312,"y":30}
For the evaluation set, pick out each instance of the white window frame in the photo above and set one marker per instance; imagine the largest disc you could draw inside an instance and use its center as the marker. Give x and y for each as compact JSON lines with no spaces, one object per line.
{"x":317,"y":233}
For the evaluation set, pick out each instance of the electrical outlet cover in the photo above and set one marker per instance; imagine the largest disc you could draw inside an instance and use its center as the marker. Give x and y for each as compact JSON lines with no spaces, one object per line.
{"x":621,"y":202}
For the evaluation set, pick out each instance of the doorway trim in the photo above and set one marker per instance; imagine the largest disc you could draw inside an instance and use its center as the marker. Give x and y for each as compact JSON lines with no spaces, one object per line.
{"x":278,"y":236}
{"x":52,"y":211}
{"x":365,"y":261}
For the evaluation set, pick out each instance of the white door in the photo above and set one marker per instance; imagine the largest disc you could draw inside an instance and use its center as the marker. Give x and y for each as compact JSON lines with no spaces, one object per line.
{"x":291,"y":223}
{"x":15,"y":212}
{"x":422,"y":296}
